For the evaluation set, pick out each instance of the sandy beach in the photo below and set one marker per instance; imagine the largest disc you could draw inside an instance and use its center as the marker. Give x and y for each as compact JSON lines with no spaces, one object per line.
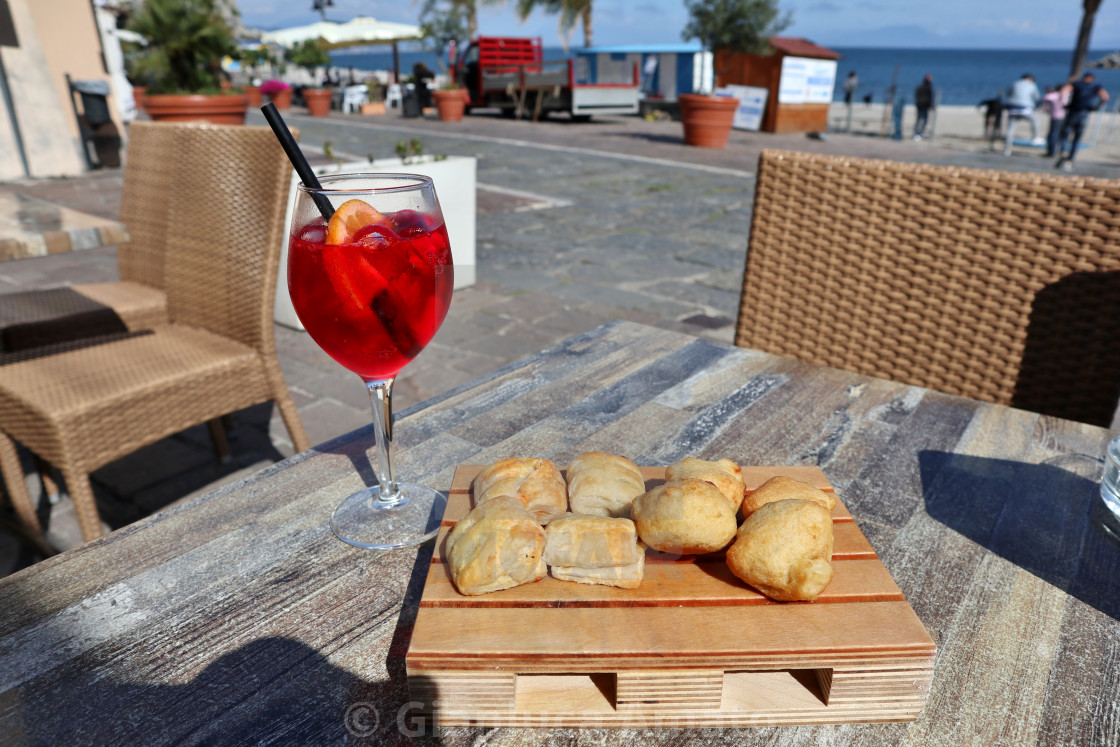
{"x":962,"y":127}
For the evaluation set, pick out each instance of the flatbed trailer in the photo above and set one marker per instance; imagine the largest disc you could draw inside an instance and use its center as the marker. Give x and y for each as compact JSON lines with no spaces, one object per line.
{"x":509,"y":73}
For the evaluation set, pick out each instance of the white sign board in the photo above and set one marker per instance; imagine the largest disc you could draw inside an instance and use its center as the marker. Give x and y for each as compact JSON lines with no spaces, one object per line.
{"x":806,"y":81}
{"x":752,"y":106}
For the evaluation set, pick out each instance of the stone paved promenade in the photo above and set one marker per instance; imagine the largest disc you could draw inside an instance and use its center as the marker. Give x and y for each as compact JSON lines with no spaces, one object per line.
{"x":578,"y":224}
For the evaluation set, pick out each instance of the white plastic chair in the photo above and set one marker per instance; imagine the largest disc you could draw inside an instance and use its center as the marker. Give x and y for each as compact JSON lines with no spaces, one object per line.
{"x":353,"y":97}
{"x":394,"y":96}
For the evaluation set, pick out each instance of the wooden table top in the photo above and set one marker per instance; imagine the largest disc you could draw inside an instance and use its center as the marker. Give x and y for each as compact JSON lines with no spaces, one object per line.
{"x":238,"y":617}
{"x":30,"y":227}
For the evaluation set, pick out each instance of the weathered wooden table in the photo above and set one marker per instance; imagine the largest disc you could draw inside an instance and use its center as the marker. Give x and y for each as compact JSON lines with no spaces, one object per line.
{"x":30,"y":227}
{"x":237,"y":617}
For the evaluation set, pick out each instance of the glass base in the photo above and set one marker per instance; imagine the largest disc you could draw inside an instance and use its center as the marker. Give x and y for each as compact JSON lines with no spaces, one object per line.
{"x":363,"y":522}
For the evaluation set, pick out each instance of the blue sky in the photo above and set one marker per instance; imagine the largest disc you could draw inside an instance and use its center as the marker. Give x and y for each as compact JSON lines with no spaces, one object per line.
{"x":1000,"y":24}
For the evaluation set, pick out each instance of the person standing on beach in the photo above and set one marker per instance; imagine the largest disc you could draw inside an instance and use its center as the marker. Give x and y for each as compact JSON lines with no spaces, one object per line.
{"x":1054,"y":104}
{"x":1085,"y":96}
{"x":851,"y":83}
{"x":1022,"y":99}
{"x":923,"y":100}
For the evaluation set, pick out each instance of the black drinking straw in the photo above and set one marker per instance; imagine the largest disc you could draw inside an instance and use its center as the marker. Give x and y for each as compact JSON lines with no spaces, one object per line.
{"x":295,"y":155}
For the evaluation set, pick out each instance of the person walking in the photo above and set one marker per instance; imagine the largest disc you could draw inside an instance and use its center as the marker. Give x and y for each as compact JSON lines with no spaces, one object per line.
{"x":923,"y":100}
{"x":1085,"y":96}
{"x":1054,"y":104}
{"x":851,"y":83}
{"x":1022,"y":100}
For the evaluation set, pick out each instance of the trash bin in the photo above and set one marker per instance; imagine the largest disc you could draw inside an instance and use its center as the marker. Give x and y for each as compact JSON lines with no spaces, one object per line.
{"x":410,"y":105}
{"x":95,"y":123}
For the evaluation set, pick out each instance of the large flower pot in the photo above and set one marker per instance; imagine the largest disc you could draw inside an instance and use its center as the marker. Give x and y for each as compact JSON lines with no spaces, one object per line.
{"x":228,"y":109}
{"x":254,"y":94}
{"x":450,"y":105}
{"x":376,"y":107}
{"x":138,"y":95}
{"x":707,"y":119}
{"x":318,"y":101}
{"x":281,"y":99}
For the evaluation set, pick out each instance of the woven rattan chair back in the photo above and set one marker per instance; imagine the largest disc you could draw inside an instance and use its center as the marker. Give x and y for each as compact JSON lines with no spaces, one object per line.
{"x":998,"y":286}
{"x":226,"y":218}
{"x":149,"y":182}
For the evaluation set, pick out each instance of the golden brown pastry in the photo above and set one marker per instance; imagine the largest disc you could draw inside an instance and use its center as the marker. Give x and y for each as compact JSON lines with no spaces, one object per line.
{"x":595,"y":550}
{"x":603,"y":484}
{"x":686,"y":517}
{"x":498,"y":545}
{"x":724,"y":474}
{"x":784,"y":489}
{"x":784,"y":549}
{"x":535,"y":482}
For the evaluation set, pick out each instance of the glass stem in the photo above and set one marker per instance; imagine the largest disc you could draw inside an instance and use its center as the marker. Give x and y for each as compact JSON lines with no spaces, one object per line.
{"x":381,"y":398}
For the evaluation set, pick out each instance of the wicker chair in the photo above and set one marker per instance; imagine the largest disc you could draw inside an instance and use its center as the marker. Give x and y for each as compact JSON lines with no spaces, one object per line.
{"x":39,"y":318}
{"x":998,"y":286}
{"x":82,"y":409}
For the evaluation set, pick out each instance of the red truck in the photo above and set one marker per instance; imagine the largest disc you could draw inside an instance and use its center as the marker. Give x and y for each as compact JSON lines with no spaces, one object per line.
{"x":510,"y":73}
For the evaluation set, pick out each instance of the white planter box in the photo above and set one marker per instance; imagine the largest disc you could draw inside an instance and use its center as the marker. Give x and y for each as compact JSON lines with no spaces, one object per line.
{"x":454,"y":178}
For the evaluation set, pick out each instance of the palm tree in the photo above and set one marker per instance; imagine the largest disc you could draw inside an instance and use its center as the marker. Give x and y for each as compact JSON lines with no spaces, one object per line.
{"x":466,"y":8}
{"x":571,"y":12}
{"x":1089,"y":13}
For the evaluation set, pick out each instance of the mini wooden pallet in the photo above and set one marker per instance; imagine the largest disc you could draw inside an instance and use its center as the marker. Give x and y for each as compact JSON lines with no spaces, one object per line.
{"x":693,"y":646}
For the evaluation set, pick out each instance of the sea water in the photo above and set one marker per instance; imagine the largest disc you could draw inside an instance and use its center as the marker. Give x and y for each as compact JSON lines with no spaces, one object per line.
{"x":962,"y":77}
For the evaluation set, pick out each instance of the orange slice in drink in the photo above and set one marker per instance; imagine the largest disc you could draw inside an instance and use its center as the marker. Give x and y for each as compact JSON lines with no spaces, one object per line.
{"x":350,"y":217}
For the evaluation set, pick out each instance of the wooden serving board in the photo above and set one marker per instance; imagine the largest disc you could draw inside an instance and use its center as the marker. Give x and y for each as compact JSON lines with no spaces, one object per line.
{"x":692,"y":646}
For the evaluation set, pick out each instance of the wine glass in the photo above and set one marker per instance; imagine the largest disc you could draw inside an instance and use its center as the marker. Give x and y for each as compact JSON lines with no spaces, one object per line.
{"x":370,"y":276}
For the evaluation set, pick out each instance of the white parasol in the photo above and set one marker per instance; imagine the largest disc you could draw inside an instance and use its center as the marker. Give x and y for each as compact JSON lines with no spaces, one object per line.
{"x":360,"y":30}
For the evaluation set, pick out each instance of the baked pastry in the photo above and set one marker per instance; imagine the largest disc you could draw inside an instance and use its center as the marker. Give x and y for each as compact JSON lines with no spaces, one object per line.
{"x":724,"y":474}
{"x":784,"y":489}
{"x":498,"y":545}
{"x":595,"y":550}
{"x":686,"y":517}
{"x":784,"y":549}
{"x":535,"y":482}
{"x":603,"y":484}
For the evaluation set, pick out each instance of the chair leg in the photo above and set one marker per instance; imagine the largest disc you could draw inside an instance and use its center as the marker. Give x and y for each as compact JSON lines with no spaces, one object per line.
{"x":81,"y":493}
{"x":17,"y":488}
{"x":288,"y":411}
{"x":50,"y":487}
{"x":286,"y":405}
{"x":218,"y":438}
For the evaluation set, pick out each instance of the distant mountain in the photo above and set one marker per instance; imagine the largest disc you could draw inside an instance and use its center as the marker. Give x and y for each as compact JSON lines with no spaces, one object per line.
{"x":917,"y":37}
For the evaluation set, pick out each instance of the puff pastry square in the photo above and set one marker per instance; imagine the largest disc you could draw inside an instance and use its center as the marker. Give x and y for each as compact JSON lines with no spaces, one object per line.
{"x":535,"y":482}
{"x":498,"y":545}
{"x":595,"y":550}
{"x":603,"y":484}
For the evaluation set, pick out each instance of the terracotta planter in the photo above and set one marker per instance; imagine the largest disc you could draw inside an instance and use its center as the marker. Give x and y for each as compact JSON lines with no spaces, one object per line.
{"x":218,"y":109}
{"x":138,"y":95}
{"x":282,"y":99}
{"x":707,"y":119}
{"x":318,"y":101}
{"x":378,"y":107}
{"x":450,"y":105}
{"x":254,"y":94}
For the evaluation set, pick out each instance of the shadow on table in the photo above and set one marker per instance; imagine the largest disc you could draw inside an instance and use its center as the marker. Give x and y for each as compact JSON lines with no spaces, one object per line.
{"x":269,"y":690}
{"x":1045,"y":519}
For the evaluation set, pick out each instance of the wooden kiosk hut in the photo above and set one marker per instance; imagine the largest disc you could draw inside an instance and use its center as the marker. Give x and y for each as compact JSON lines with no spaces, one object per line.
{"x":799,"y":75}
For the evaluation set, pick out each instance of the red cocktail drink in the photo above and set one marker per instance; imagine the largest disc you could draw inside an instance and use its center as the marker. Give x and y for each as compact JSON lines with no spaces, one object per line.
{"x":370,"y":276}
{"x":373,"y":301}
